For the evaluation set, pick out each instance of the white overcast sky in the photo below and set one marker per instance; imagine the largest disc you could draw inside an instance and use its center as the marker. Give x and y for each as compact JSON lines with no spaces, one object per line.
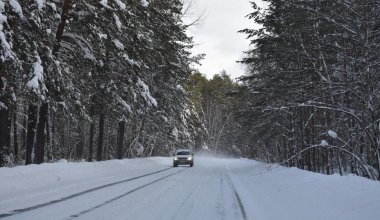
{"x":217,"y":36}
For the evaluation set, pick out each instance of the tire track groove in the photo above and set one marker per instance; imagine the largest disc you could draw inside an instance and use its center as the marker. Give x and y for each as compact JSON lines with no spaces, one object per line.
{"x":123,"y":195}
{"x":19,"y":211}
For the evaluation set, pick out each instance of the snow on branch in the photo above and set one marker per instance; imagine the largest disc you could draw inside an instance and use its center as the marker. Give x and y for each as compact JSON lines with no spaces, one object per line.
{"x":332,"y":134}
{"x":104,"y":3}
{"x":118,"y":44}
{"x":36,"y":83}
{"x":120,"y":4}
{"x":124,"y":104}
{"x":145,"y":3}
{"x":3,"y":106}
{"x":6,"y":52}
{"x":40,"y":4}
{"x":83,"y":43}
{"x":16,"y":7}
{"x":117,"y":21}
{"x":146,"y":94}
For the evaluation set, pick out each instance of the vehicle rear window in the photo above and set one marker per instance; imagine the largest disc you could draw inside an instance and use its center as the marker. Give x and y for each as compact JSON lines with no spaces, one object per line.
{"x":183,"y":153}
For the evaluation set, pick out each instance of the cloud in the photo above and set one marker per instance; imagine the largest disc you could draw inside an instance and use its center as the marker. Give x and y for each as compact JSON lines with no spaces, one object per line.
{"x":217,"y":35}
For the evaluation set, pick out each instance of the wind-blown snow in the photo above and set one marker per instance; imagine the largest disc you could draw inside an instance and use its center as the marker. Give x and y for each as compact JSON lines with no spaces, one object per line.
{"x":38,"y":71}
{"x":16,"y":7}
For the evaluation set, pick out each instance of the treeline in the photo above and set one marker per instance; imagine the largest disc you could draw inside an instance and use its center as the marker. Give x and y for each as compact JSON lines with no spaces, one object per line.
{"x":216,"y":105}
{"x":93,"y":80}
{"x":313,"y":82}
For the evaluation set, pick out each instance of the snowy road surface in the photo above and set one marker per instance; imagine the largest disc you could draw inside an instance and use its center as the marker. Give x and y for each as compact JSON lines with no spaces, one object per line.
{"x":213,"y":189}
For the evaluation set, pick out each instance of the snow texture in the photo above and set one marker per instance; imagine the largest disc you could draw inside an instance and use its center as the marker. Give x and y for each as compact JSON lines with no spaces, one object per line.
{"x":85,"y":46}
{"x":6,"y":52}
{"x":175,"y":133}
{"x":13,"y":96}
{"x":102,"y":36}
{"x":104,"y":3}
{"x":3,"y":106}
{"x":117,"y":21}
{"x":53,"y":6}
{"x":125,"y":105}
{"x":121,"y":5}
{"x":130,"y":61}
{"x":37,"y":78}
{"x":118,"y":44}
{"x":16,"y":7}
{"x":212,"y":189}
{"x":40,"y":4}
{"x":145,"y":3}
{"x":332,"y":134}
{"x":146,"y":94}
{"x":324,"y":143}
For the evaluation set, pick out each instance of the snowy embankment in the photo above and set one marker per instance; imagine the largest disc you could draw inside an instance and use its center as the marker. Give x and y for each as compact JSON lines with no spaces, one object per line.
{"x":212,"y":189}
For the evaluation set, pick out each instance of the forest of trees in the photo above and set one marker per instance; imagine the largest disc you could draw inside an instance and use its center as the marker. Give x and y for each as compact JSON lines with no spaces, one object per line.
{"x":217,"y":102}
{"x":314,"y":85}
{"x":93,"y":80}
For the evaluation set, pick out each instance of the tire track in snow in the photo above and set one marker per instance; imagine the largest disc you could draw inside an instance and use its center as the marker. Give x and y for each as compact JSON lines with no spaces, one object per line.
{"x":123,"y":195}
{"x":180,"y":211}
{"x":240,"y":203}
{"x":19,"y":211}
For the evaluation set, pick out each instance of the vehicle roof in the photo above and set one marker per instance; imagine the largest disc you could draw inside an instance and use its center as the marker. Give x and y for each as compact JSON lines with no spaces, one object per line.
{"x":180,"y":150}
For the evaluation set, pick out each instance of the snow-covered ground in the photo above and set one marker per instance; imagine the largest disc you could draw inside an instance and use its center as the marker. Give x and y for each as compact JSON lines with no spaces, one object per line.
{"x":213,"y":189}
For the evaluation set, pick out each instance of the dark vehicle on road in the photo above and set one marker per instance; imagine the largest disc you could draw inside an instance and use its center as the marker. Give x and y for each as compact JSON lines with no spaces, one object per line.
{"x":183,"y":157}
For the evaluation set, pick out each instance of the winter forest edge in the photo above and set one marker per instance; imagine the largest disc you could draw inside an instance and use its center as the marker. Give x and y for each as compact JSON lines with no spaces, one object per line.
{"x":98,"y":80}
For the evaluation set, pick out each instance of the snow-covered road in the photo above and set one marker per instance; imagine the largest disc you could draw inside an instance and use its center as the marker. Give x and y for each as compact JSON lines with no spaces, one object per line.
{"x":212,"y":189}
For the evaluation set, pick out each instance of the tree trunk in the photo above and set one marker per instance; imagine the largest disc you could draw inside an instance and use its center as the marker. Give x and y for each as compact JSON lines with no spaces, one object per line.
{"x":41,"y":134}
{"x":3,"y":132}
{"x":9,"y":136}
{"x":79,"y":145}
{"x":49,"y":135}
{"x":61,"y":27}
{"x":100,"y":136}
{"x":23,"y":133}
{"x":91,"y":140}
{"x":120,"y":139}
{"x":32,"y":121}
{"x":15,"y":135}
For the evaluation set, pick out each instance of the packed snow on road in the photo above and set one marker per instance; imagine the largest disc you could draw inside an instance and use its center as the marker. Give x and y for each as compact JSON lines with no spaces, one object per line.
{"x":214,"y":188}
